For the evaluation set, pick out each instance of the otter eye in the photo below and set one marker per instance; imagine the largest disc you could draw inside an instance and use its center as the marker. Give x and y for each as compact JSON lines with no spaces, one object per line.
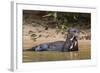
{"x":74,"y":31}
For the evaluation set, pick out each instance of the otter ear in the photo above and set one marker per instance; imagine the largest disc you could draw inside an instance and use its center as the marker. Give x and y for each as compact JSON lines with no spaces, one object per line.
{"x":68,"y":30}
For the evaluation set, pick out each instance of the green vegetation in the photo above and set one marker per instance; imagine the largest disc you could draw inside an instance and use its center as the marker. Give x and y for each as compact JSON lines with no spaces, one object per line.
{"x":60,"y":20}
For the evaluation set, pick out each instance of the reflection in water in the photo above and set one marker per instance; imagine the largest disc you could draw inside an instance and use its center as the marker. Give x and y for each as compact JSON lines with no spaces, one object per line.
{"x":74,"y":55}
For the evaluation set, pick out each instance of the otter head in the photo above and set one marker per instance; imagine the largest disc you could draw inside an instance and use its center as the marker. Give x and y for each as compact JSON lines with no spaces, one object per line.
{"x":73,"y":33}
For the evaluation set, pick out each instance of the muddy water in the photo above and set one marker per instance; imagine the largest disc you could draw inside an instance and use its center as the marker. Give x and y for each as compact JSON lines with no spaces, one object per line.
{"x":83,"y":53}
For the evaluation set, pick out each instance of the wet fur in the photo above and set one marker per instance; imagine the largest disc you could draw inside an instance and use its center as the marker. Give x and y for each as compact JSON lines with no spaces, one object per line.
{"x":70,"y":44}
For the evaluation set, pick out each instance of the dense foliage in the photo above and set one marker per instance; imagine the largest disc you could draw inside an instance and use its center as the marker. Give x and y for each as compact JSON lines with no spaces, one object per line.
{"x":60,"y":20}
